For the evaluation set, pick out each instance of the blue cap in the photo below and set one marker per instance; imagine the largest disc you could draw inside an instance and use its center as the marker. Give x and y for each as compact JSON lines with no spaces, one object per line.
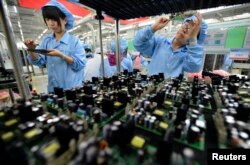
{"x":69,"y":16}
{"x":203,"y":29}
{"x":123,"y":45}
{"x":86,"y":46}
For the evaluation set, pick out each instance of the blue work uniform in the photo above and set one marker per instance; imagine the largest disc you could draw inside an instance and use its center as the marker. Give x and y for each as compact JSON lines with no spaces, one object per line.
{"x":60,"y":73}
{"x":163,"y":58}
{"x":94,"y":67}
{"x":107,"y":68}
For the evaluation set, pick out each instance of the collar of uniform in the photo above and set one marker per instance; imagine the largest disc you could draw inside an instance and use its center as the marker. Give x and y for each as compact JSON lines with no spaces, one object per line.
{"x":177,"y":50}
{"x":64,"y":39}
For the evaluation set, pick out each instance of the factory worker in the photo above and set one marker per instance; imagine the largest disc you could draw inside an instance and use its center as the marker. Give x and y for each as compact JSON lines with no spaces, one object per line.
{"x":126,"y":60}
{"x":88,"y":51}
{"x":173,"y":56}
{"x":94,"y":64}
{"x":65,"y":59}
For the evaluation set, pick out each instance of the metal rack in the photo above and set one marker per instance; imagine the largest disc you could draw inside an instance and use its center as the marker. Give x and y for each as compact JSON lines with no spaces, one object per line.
{"x":14,"y":53}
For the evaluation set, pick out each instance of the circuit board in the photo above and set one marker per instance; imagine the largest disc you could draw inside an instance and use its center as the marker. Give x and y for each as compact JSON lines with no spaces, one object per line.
{"x":127,"y":119}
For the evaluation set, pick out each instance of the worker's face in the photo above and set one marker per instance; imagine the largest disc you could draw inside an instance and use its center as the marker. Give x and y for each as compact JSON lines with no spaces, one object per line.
{"x":54,"y":26}
{"x":182,"y":34}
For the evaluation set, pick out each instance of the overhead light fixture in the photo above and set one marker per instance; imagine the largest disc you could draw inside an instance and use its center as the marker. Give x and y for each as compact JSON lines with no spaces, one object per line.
{"x":40,"y":36}
{"x":77,"y":27}
{"x":45,"y":30}
{"x":146,"y":23}
{"x":241,"y":16}
{"x":2,"y":35}
{"x":211,"y":20}
{"x":19,"y":24}
{"x":15,"y":9}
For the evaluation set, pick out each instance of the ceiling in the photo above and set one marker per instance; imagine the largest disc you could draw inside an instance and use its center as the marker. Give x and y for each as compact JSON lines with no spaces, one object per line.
{"x":29,"y":22}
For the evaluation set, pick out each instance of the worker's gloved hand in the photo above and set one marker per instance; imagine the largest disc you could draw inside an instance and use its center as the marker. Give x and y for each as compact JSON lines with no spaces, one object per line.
{"x":193,"y":26}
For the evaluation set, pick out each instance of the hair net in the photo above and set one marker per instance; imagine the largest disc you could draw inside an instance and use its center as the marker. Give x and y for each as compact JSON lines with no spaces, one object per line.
{"x":203,"y":29}
{"x":86,"y":46}
{"x":69,"y":16}
{"x":123,"y":45}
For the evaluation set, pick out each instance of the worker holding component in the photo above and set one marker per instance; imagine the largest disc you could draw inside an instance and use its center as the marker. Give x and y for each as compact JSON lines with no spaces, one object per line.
{"x":173,"y":56}
{"x":65,"y":58}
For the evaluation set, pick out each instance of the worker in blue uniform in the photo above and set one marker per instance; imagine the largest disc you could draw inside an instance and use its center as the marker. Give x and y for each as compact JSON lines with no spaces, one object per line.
{"x":126,"y":60}
{"x":94,"y":64}
{"x":66,"y":59}
{"x":173,"y":56}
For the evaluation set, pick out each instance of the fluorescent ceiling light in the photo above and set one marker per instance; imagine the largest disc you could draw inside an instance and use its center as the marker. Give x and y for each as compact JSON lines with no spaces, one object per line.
{"x":146,"y":23}
{"x":211,"y":20}
{"x":242,"y":16}
{"x":15,"y":9}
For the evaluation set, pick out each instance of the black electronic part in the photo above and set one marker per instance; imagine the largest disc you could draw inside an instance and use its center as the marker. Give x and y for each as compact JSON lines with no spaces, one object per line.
{"x":106,"y":81}
{"x":88,"y":89}
{"x":144,"y":77}
{"x":161,"y":75}
{"x":186,"y":99}
{"x":26,"y":112}
{"x":97,"y":115}
{"x":87,"y":99}
{"x":159,"y":98}
{"x":54,"y":97}
{"x":178,"y":131}
{"x":64,"y":133}
{"x":181,"y":114}
{"x":165,"y":147}
{"x":193,"y":134}
{"x":13,"y":154}
{"x":72,"y":107}
{"x":125,"y":72}
{"x":78,"y":101}
{"x":243,"y":112}
{"x":108,"y":106}
{"x":122,"y":97}
{"x":60,"y":103}
{"x":71,"y":94}
{"x":131,"y":87}
{"x":95,"y":80}
{"x":43,"y":97}
{"x":59,"y":92}
{"x":37,"y":111}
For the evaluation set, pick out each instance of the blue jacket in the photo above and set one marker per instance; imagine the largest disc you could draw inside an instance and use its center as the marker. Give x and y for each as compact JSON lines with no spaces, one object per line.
{"x":60,"y":73}
{"x":163,"y":58}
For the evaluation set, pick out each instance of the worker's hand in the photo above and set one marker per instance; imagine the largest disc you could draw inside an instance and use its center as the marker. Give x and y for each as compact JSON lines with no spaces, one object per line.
{"x":193,"y":27}
{"x":30,"y":43}
{"x":160,"y":23}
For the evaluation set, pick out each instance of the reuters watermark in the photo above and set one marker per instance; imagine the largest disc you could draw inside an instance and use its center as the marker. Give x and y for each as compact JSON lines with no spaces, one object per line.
{"x":237,"y":155}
